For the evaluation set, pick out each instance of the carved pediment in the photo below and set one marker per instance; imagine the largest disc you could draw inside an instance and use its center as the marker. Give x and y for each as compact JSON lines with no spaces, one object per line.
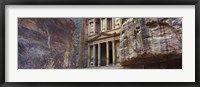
{"x":103,"y":35}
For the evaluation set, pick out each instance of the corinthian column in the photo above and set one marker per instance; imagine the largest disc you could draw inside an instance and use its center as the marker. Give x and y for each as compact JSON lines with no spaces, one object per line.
{"x":99,"y":61}
{"x":88,"y":55}
{"x":113,"y":47}
{"x":94,"y":55}
{"x":107,"y":54}
{"x":113,"y":24}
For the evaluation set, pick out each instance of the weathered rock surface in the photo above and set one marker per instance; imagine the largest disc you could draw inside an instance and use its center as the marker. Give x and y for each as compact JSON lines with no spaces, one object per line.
{"x":45,"y":43}
{"x":150,"y":36}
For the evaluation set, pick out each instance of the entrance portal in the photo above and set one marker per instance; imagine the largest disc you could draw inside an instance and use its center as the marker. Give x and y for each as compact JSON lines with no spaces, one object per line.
{"x":110,"y":53}
{"x":103,"y":54}
{"x":96,"y":54}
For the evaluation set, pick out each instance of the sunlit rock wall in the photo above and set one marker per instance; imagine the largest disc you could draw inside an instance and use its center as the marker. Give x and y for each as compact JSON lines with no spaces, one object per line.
{"x":150,"y":35}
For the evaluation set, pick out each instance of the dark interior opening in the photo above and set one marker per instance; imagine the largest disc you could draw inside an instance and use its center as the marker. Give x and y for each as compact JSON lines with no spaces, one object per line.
{"x":110,"y":53}
{"x":103,"y":54}
{"x":96,"y":55}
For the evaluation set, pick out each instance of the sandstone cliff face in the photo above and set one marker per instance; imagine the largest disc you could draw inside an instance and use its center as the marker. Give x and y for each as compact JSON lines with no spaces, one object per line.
{"x":45,"y":43}
{"x":83,"y":49}
{"x":150,"y":36}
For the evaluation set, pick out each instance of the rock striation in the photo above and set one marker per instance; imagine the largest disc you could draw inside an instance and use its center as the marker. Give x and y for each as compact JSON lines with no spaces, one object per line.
{"x":46,"y":43}
{"x":155,"y":36}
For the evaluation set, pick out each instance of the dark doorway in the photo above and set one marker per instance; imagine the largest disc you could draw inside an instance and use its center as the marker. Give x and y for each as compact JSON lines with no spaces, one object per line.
{"x":96,"y":54}
{"x":103,"y":54}
{"x":110,"y":53}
